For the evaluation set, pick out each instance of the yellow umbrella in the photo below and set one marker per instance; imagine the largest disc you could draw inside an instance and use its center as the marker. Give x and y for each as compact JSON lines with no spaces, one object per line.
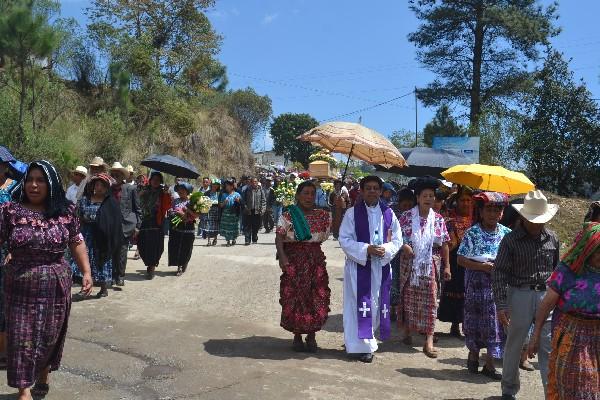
{"x":489,"y":177}
{"x":357,"y":141}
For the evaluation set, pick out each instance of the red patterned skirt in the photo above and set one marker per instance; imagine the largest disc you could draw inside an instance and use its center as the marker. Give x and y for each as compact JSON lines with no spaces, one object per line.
{"x":417,"y":308}
{"x":574,"y":364}
{"x":304,"y":289}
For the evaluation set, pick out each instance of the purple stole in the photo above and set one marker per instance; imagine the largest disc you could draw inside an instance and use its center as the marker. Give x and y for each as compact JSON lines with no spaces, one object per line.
{"x":363,"y":276}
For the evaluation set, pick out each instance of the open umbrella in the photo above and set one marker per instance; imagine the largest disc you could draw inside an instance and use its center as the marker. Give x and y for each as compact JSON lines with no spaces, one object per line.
{"x":357,"y":141}
{"x":489,"y":177}
{"x":171,"y":165}
{"x":424,"y":161}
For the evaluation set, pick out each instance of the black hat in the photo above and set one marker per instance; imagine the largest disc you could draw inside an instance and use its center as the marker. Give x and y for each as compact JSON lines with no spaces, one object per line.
{"x":424,"y":182}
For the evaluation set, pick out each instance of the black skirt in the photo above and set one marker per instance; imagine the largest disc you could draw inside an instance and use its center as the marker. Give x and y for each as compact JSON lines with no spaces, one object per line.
{"x":452,"y":300}
{"x":151,"y":242}
{"x":181,"y":244}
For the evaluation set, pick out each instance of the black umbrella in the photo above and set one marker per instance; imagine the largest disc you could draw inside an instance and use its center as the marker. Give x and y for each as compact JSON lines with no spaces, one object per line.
{"x":427,"y":161}
{"x":171,"y":165}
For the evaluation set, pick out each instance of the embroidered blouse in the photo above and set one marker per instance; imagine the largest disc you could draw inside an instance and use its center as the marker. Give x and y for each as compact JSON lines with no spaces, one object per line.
{"x":319,"y":222}
{"x":579,"y":294}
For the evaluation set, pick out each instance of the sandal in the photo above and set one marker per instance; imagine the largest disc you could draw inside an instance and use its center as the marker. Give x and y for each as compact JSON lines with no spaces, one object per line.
{"x":40,"y":389}
{"x":431,"y":353}
{"x":526,"y":366}
{"x":179,"y":271}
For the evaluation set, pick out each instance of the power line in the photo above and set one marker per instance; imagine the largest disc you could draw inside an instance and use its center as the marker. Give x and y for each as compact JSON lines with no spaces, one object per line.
{"x":368,"y":108}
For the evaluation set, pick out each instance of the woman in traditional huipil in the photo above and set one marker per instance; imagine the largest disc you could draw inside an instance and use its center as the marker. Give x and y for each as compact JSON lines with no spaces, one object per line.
{"x":37,"y":229}
{"x":460,"y":218}
{"x":154,"y":202}
{"x":7,"y":184}
{"x":425,"y":248}
{"x":183,"y":233}
{"x":102,"y":229}
{"x":210,"y":220}
{"x":574,"y":294}
{"x":230,"y":203}
{"x":304,"y":286}
{"x":476,"y":254}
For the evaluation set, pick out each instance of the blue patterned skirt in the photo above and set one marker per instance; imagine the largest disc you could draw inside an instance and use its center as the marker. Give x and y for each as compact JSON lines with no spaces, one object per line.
{"x":100,"y":273}
{"x":481,"y":327}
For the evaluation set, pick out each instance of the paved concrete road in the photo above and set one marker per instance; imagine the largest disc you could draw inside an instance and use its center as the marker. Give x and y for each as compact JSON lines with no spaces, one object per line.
{"x":214,"y":334}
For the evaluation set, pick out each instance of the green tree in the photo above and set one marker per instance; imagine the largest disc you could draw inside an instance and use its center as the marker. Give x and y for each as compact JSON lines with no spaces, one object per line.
{"x":27,"y":41}
{"x":561,"y":135}
{"x":284,"y":130}
{"x":479,"y":49}
{"x":443,"y":124}
{"x":498,"y":127}
{"x":250,"y":109}
{"x":404,"y":138}
{"x":177,"y":34}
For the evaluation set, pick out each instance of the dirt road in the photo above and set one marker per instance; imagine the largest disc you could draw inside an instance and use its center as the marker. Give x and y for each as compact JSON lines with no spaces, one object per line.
{"x":214,"y":334}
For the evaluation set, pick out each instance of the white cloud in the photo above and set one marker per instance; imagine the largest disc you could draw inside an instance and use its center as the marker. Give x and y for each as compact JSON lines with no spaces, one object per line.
{"x":269,"y":18}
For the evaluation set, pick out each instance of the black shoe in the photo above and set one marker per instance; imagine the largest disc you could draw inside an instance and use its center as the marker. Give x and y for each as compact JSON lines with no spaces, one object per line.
{"x":247,"y":244}
{"x":120,"y":282}
{"x":233,"y":242}
{"x":366,"y":358}
{"x":473,"y":365}
{"x":113,"y":282}
{"x":508,"y":397}
{"x":298,"y":345}
{"x":491,"y":373}
{"x":102,"y":293}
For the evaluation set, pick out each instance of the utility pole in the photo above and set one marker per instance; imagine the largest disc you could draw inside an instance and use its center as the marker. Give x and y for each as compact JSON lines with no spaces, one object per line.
{"x":416,"y":120}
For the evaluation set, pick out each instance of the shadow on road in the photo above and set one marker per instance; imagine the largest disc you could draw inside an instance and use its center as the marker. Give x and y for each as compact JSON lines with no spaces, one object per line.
{"x":335,"y":323}
{"x":266,"y":348}
{"x":140,"y":275}
{"x":455,"y":375}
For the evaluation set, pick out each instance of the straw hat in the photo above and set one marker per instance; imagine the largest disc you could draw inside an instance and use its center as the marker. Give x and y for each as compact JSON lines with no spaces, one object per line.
{"x":81,"y":170}
{"x":98,"y":162}
{"x":130,"y":169}
{"x":535,"y":208}
{"x":117,"y":166}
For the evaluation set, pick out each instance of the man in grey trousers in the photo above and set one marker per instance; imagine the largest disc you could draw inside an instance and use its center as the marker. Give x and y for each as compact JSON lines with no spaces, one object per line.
{"x":127,"y":197}
{"x":526,"y":258}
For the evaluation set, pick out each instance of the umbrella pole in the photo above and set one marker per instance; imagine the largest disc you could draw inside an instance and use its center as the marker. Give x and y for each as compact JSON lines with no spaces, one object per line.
{"x":347,"y":162}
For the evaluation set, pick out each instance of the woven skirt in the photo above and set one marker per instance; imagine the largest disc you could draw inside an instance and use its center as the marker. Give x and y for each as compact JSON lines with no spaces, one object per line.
{"x":304,"y":289}
{"x":574,"y":364}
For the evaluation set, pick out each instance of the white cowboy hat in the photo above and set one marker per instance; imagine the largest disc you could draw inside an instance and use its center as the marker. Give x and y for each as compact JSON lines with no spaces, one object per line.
{"x":81,"y":170}
{"x":130,"y":169}
{"x":535,"y":208}
{"x":118,"y":167}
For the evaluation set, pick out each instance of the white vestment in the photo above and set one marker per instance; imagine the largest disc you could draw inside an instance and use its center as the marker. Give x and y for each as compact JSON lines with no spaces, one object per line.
{"x":356,"y":257}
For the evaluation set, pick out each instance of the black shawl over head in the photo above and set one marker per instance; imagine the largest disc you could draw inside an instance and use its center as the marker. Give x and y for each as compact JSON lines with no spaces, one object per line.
{"x":56,"y":202}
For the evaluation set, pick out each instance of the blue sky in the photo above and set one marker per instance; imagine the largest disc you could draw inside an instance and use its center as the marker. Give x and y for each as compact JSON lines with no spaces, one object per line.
{"x":331,"y":57}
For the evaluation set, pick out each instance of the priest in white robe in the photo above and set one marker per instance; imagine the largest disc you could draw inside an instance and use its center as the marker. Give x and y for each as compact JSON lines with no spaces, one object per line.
{"x":370,"y":236}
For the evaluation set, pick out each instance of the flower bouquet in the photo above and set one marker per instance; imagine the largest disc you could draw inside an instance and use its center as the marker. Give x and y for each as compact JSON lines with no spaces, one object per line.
{"x":323,"y":155}
{"x":198,"y":204}
{"x":285,"y":193}
{"x":327,"y":187}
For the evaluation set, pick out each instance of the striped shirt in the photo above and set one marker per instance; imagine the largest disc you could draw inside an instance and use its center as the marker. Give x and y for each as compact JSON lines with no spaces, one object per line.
{"x":523,"y":260}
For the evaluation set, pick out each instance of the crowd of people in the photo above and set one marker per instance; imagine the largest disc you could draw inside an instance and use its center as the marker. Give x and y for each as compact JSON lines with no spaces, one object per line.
{"x":424,"y":253}
{"x":414,"y":255}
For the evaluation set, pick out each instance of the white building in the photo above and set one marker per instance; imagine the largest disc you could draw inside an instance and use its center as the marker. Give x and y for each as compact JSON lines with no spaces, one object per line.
{"x":269,"y":158}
